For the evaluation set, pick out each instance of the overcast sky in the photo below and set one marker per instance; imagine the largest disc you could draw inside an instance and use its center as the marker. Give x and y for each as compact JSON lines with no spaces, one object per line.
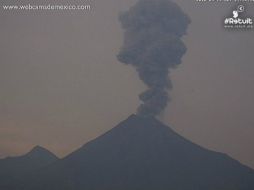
{"x":61,"y":84}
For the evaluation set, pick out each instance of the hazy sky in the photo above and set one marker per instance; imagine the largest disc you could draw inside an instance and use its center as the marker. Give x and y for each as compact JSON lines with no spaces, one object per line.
{"x":61,"y":84}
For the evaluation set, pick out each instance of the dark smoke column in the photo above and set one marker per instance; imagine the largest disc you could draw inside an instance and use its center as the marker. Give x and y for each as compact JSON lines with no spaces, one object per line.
{"x":153,"y":45}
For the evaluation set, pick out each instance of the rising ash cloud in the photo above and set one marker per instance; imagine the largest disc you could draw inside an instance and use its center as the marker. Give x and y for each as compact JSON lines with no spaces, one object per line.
{"x":153,"y":45}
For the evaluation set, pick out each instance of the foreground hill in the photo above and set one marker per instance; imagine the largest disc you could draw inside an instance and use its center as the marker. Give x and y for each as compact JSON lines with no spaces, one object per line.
{"x":14,"y":168}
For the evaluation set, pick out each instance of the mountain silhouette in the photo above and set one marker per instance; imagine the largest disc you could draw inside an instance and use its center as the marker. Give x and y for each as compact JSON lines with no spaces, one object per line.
{"x":14,"y":168}
{"x":141,"y":153}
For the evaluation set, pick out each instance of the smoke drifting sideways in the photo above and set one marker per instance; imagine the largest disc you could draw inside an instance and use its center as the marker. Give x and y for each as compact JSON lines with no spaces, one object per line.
{"x":153,"y":45}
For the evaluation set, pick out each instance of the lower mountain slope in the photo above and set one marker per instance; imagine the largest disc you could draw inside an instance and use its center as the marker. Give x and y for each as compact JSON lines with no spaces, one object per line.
{"x":141,"y":153}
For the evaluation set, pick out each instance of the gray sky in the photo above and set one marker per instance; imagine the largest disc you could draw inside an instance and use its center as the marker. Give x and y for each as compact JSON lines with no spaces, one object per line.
{"x":61,"y":84}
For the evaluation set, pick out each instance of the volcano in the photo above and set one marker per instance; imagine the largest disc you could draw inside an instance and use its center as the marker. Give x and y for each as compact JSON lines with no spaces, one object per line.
{"x":141,"y":153}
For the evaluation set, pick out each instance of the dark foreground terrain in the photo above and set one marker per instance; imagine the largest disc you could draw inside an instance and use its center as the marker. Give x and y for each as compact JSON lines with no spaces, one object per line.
{"x":140,"y":153}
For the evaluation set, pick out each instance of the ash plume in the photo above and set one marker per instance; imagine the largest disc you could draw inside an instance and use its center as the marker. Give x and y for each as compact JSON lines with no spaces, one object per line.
{"x":153,"y":45}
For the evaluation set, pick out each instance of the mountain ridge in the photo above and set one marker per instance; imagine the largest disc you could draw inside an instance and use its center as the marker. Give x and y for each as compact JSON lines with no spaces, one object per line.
{"x":14,"y":168}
